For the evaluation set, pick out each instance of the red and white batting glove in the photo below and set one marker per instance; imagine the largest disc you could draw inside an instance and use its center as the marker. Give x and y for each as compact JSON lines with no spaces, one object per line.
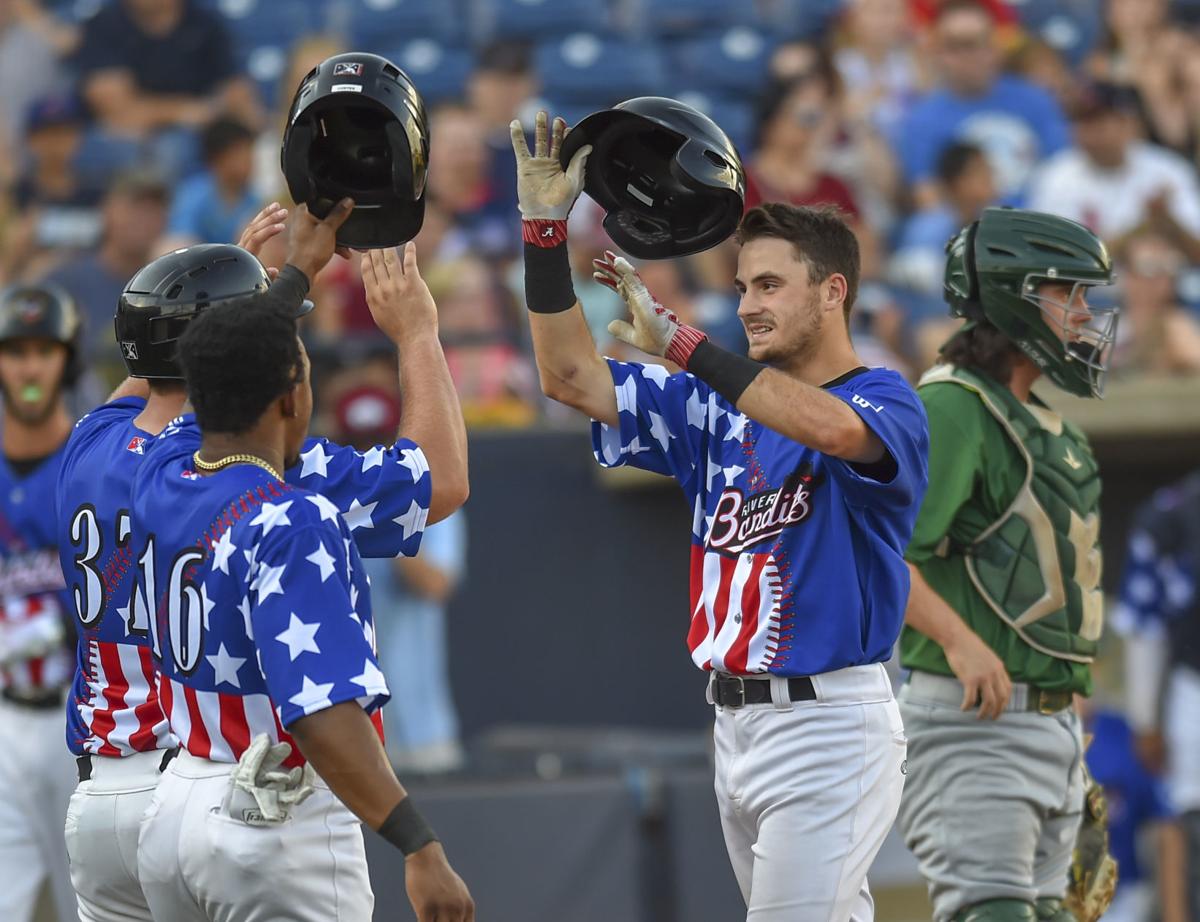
{"x":546,"y":192}
{"x":655,"y":330}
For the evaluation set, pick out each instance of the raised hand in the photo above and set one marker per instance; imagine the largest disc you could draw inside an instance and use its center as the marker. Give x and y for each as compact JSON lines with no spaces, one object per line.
{"x":544,"y":189}
{"x":397,"y":296}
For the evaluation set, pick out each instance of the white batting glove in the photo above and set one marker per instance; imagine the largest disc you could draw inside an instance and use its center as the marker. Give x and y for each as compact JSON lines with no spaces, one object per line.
{"x":544,"y":190}
{"x":275,"y":790}
{"x":655,"y":330}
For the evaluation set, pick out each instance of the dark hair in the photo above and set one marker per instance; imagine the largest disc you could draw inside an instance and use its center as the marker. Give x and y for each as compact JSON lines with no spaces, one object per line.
{"x":772,"y":99}
{"x":506,"y":56}
{"x":955,"y":158}
{"x":220,"y":135}
{"x":820,"y":235}
{"x":983,"y":349}
{"x":237,"y":357}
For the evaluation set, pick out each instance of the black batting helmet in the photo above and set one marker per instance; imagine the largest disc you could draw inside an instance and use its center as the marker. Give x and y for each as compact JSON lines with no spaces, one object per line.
{"x":668,"y":177}
{"x":42,"y":312}
{"x":159,"y":302}
{"x":358,"y":128}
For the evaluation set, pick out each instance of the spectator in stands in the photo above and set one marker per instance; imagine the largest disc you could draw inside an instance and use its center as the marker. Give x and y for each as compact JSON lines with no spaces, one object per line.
{"x":880,"y":70}
{"x":1112,"y":181}
{"x":460,"y":179}
{"x":133,"y":216}
{"x":495,"y":380}
{"x":214,"y":206}
{"x":1016,"y":123}
{"x":31,"y":41}
{"x":1040,"y":63}
{"x":502,"y":81}
{"x":1144,"y":51}
{"x":1156,"y":335}
{"x":54,"y":207}
{"x":157,"y":70}
{"x":965,"y":187}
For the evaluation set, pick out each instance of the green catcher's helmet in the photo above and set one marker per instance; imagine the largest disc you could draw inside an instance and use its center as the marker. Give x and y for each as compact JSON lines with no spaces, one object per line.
{"x":994,"y":270}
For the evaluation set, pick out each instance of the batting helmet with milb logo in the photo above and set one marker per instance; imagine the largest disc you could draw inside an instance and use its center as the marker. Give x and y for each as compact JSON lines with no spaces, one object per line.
{"x":42,"y":312}
{"x":159,"y":302}
{"x":668,"y":177}
{"x":358,"y":128}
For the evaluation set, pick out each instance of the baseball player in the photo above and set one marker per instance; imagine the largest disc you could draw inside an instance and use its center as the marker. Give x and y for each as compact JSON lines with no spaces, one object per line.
{"x":1159,"y":618}
{"x":1006,"y":607}
{"x":803,"y":470}
{"x":38,"y":330}
{"x":116,"y":722}
{"x":260,"y":624}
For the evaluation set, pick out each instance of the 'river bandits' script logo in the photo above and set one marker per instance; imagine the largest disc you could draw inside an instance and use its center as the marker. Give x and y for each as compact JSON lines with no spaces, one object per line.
{"x":742,"y":521}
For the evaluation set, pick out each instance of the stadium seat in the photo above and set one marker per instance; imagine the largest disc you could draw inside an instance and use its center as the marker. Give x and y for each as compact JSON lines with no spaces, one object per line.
{"x":534,"y":19}
{"x":585,"y":68}
{"x":1070,"y":27}
{"x":730,"y":61}
{"x":379,"y":25}
{"x":734,"y":115}
{"x":802,"y":19}
{"x":268,"y":22}
{"x":266,"y":64}
{"x":681,"y":17}
{"x":439,"y":71}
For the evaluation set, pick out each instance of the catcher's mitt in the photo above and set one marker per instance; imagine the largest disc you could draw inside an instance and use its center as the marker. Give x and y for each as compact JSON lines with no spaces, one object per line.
{"x":1093,"y":875}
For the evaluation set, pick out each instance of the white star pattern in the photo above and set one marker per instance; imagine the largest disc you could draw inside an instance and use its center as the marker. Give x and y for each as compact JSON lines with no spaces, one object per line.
{"x":696,"y":411}
{"x":714,"y":413}
{"x":413,"y":520}
{"x":354,"y":596}
{"x":312,"y":697}
{"x":223,"y":550}
{"x":206,"y":604}
{"x":329,"y":512}
{"x":299,"y":637}
{"x":369,"y":634}
{"x":372,"y":458}
{"x":731,"y":473}
{"x":349,"y":564}
{"x":358,"y":515}
{"x":371,"y":679}
{"x":251,"y":556}
{"x":226,"y":667}
{"x":272,"y":515}
{"x":244,"y":608}
{"x":414,"y":460}
{"x":737,"y":427}
{"x":268,"y":581}
{"x":698,"y":517}
{"x":659,"y":430}
{"x":627,"y":395}
{"x":124,"y":613}
{"x":323,"y":560}
{"x":710,"y":474}
{"x":658,"y":374}
{"x":315,"y":461}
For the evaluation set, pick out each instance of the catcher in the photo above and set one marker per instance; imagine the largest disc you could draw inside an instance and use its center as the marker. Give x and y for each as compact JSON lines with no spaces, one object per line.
{"x":1005,"y":609}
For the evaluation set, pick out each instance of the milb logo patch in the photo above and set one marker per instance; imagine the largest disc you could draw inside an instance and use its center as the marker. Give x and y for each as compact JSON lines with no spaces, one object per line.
{"x":347,"y":69}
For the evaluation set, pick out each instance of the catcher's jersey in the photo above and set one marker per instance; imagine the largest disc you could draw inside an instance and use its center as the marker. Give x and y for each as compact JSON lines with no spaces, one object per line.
{"x":33,"y":602}
{"x":254,"y":599}
{"x":114,"y":707}
{"x":797,"y":561}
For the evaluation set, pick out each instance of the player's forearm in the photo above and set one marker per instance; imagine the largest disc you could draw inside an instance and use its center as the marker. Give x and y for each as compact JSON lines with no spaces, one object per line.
{"x":929,"y":613}
{"x":341,"y":744}
{"x":810,"y":416}
{"x":1172,"y":872}
{"x":433,"y":419}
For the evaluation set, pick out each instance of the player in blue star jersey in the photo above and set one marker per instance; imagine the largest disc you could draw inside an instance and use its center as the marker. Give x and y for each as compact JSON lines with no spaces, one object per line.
{"x":116,"y":721}
{"x":260,"y":625}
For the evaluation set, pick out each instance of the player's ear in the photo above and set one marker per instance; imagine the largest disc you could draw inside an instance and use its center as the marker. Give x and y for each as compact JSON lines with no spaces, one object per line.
{"x":289,"y":403}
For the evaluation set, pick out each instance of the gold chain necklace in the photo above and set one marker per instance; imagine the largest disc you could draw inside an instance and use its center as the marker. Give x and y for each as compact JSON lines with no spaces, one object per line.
{"x":211,"y":466}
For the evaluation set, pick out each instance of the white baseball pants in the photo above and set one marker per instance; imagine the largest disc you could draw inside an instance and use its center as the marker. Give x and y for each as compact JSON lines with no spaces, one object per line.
{"x":37,"y":773}
{"x":198,"y":864}
{"x":807,"y":791}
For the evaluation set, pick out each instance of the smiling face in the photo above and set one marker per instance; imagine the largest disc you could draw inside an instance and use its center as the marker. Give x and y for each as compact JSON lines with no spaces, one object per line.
{"x":785,"y":312}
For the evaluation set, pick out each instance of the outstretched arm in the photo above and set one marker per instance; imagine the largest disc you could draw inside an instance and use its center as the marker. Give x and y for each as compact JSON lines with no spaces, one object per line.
{"x":570,"y":368}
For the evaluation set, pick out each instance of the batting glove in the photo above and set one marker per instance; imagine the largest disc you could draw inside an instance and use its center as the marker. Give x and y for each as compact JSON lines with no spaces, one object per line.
{"x":655,"y":330}
{"x":544,"y":190}
{"x":275,"y":790}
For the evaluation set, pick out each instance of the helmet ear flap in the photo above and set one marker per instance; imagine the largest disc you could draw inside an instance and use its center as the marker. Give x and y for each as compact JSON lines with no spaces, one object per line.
{"x":294,"y":158}
{"x":403,"y":179}
{"x":972,"y":309}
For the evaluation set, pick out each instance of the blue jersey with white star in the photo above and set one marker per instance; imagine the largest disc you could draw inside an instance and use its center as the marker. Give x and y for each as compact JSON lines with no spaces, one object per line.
{"x":33,"y":603}
{"x":114,"y":708}
{"x":797,"y":564}
{"x":255,"y":600}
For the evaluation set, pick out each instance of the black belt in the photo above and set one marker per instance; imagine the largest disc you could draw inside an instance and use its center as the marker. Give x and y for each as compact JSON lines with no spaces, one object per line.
{"x":38,"y":701}
{"x":84,"y":763}
{"x":735,"y":691}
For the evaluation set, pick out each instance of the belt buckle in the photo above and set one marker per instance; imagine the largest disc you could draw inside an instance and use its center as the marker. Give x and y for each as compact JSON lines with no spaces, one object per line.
{"x":1050,"y":703}
{"x":741,"y":690}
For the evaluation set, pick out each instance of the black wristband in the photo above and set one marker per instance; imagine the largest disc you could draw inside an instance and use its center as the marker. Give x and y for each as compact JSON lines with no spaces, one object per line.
{"x":548,"y":287}
{"x":290,"y":286}
{"x":726,"y":373}
{"x":406,"y":829}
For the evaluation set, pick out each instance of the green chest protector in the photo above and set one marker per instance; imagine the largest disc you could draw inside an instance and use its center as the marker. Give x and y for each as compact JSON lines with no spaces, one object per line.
{"x":1038,"y":565}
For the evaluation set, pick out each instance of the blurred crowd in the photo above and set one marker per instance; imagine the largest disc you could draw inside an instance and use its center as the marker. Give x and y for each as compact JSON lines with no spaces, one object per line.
{"x":129,"y":127}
